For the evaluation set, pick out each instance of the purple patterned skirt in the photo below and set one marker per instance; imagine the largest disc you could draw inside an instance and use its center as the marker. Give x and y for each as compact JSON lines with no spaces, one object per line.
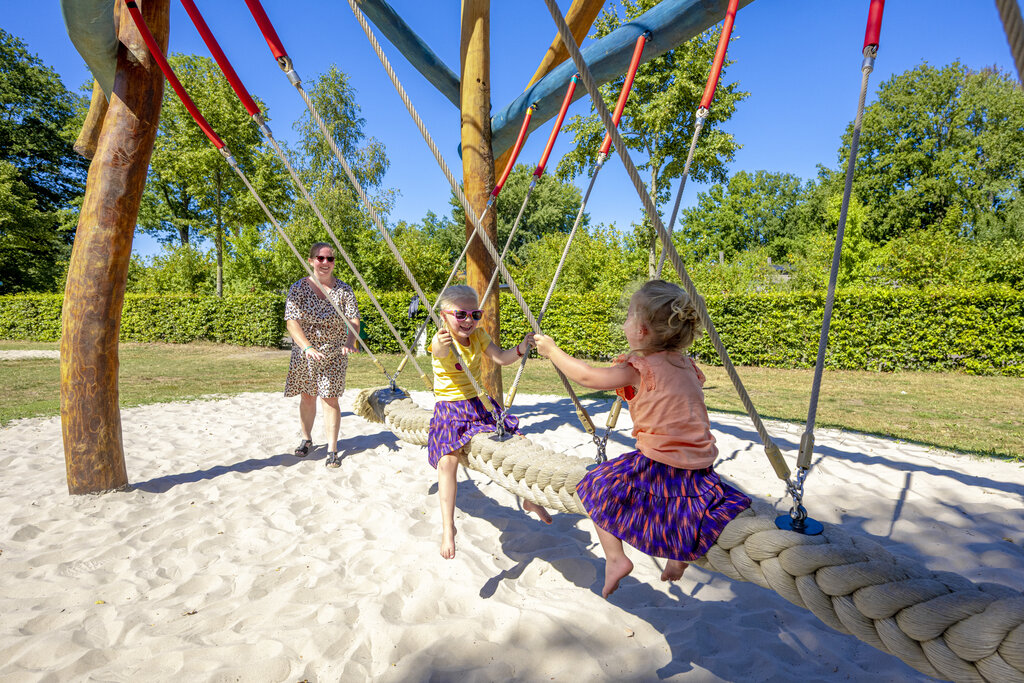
{"x":662,"y":510}
{"x":456,"y":422}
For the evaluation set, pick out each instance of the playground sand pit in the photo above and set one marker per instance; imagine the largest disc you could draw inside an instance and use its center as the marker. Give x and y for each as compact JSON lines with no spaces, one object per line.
{"x":231,"y":559}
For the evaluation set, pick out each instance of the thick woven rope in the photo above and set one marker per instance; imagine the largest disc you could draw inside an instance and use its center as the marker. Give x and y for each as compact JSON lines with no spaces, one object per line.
{"x":937,"y":622}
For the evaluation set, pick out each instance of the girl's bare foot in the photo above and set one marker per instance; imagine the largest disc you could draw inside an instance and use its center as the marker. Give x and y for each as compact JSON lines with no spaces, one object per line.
{"x":673,"y":570}
{"x":614,"y":571}
{"x":448,"y":543}
{"x":539,"y":510}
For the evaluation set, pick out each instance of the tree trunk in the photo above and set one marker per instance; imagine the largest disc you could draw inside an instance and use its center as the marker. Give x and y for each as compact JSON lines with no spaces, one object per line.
{"x":183,"y":236}
{"x":478,"y":165}
{"x":94,"y":294}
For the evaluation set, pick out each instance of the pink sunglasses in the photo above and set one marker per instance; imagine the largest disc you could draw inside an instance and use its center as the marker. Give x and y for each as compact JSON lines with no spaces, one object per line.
{"x":462,"y":315}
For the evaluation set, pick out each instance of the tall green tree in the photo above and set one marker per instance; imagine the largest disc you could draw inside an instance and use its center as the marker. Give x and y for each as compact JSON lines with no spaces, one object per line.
{"x":942,"y":148}
{"x":659,"y":118}
{"x":41,"y":177}
{"x":334,"y":99}
{"x":751,"y":210}
{"x":191,"y":191}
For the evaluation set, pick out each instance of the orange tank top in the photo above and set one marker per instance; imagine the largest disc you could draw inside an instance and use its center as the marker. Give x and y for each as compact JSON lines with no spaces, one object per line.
{"x":670,"y":419}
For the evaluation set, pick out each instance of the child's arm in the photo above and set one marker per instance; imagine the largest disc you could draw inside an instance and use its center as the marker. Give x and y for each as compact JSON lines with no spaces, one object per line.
{"x":603,"y":379}
{"x":508,"y":356}
{"x":441,"y":344}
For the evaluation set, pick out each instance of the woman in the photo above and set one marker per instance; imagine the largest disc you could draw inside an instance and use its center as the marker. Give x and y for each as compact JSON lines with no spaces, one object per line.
{"x":321,"y":342}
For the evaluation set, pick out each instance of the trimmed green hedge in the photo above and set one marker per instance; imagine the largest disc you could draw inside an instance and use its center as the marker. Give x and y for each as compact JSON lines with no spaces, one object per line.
{"x":255,"y":320}
{"x":979,"y":331}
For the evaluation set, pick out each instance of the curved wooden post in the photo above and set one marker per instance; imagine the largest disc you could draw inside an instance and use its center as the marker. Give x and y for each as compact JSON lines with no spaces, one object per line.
{"x":478,"y":163}
{"x":94,"y":294}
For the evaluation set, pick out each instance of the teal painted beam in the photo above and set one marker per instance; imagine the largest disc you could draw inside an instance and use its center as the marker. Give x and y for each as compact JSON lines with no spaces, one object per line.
{"x":90,"y":25}
{"x":671,"y":23}
{"x":412,"y":47}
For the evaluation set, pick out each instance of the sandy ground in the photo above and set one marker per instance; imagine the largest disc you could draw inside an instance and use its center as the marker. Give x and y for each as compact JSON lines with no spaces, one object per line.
{"x":232,"y":560}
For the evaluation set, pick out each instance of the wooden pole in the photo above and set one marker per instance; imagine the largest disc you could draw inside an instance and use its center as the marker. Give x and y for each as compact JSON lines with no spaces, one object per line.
{"x":94,"y":294}
{"x":89,"y":136}
{"x":478,"y":163}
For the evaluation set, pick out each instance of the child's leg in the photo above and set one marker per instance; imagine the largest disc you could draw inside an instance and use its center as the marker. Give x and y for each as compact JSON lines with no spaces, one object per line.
{"x":673,"y":570}
{"x":616,"y":564}
{"x":447,"y":468}
{"x":538,"y":510}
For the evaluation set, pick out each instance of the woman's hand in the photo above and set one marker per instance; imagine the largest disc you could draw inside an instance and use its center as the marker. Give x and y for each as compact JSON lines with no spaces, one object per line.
{"x":529,"y":341}
{"x":347,"y":349}
{"x":313,"y":353}
{"x":545,"y":344}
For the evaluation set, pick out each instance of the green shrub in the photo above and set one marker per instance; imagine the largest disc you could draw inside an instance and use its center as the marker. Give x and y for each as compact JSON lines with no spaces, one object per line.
{"x":256,"y":320}
{"x":978,"y":331}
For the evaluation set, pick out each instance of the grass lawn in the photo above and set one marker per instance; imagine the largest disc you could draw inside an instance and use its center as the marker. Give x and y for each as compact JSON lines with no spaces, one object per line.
{"x":966,"y":413}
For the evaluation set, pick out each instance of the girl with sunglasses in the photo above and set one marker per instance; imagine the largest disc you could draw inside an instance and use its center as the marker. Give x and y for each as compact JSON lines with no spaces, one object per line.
{"x":459,"y":413}
{"x":321,"y":342}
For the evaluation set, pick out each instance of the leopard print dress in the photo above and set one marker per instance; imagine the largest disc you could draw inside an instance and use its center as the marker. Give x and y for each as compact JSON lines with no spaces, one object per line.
{"x":326,"y":331}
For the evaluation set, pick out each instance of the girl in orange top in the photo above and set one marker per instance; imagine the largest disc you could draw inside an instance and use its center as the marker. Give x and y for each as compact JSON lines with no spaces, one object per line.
{"x":663,"y":498}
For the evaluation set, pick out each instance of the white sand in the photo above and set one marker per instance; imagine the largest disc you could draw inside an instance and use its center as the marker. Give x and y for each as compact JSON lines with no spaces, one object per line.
{"x":23,"y":354}
{"x":233,"y":560}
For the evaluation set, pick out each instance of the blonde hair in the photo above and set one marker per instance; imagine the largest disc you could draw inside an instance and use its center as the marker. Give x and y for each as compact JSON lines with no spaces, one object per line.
{"x":458,"y":293}
{"x":668,"y":314}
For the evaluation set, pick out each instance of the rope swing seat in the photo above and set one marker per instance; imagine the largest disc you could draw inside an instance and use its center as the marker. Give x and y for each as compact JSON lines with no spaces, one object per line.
{"x":940,"y":623}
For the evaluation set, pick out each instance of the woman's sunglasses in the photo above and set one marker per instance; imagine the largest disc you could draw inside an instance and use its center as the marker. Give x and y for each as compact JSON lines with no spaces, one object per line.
{"x":462,"y":315}
{"x":329,"y":259}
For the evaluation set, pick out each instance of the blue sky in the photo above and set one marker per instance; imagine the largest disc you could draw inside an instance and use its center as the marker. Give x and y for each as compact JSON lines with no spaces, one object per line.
{"x":799,"y":59}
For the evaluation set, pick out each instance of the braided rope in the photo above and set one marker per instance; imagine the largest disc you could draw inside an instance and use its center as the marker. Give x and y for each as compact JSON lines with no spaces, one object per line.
{"x":940,"y":623}
{"x":470,"y":213}
{"x":772,"y":450}
{"x":1013,"y":25}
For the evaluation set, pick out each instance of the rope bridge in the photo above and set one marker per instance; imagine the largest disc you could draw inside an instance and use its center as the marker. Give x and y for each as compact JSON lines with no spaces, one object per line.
{"x":940,"y":623}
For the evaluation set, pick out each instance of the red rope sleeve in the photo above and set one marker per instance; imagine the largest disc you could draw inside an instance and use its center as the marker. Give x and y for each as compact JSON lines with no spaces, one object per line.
{"x":874,"y":23}
{"x":723,"y":45}
{"x":266,"y":28}
{"x":161,"y":61}
{"x":634,"y":64}
{"x":515,"y":150}
{"x":558,"y":126}
{"x":222,"y":60}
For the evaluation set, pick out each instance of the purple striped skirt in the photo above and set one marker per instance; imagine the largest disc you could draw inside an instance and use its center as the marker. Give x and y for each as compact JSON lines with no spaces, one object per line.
{"x":456,"y":422}
{"x":662,"y":510}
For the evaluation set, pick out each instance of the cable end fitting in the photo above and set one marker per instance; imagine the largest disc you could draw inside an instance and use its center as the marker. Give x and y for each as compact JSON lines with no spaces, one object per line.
{"x":870,"y":52}
{"x":803,"y":460}
{"x":228,"y":156}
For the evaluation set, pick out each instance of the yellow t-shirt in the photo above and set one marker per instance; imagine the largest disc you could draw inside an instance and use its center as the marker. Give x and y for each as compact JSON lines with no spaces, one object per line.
{"x":450,"y":382}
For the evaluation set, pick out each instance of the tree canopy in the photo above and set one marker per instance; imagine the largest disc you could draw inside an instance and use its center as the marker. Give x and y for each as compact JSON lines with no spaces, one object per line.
{"x":41,"y":177}
{"x":943,"y":147}
{"x":191,"y":192}
{"x":659,"y":117}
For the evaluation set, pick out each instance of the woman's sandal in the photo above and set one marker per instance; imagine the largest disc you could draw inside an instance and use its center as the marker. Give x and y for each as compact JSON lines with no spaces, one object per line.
{"x":333,"y":460}
{"x":303,"y":450}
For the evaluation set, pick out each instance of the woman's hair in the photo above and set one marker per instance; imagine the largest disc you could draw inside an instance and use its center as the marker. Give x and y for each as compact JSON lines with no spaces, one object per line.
{"x":457,"y":293}
{"x":668,"y":314}
{"x":317,"y":247}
